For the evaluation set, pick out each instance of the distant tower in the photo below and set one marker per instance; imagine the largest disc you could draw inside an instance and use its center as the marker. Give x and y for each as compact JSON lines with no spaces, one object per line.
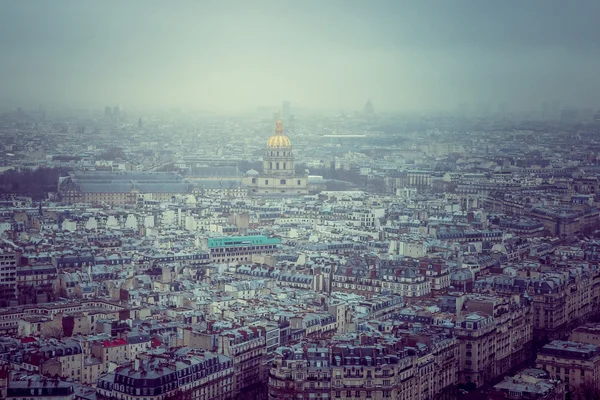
{"x":369,"y":109}
{"x":291,"y":126}
{"x":286,"y":110}
{"x":107,"y":111}
{"x":140,"y":124}
{"x":116,"y":114}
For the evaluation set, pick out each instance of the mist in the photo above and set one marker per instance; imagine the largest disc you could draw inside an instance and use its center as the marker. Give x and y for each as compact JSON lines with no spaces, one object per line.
{"x":233,"y":56}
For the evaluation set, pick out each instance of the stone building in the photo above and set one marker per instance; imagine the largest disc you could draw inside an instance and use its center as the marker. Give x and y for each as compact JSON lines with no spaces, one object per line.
{"x":376,"y":371}
{"x":278,"y":177}
{"x":195,"y":375}
{"x":576,"y":364}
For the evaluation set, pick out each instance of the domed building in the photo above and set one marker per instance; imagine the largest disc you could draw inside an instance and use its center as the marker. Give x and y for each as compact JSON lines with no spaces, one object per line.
{"x":278,"y":177}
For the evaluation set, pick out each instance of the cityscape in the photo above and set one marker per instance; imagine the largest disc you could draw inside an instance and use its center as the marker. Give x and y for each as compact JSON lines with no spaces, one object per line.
{"x":349,"y":247}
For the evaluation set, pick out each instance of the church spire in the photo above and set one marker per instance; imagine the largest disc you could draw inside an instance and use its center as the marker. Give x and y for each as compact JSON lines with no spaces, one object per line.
{"x":279,"y":126}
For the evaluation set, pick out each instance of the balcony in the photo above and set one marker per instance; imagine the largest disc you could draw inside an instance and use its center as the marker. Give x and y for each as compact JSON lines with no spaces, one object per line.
{"x":280,"y":378}
{"x":353,"y":385}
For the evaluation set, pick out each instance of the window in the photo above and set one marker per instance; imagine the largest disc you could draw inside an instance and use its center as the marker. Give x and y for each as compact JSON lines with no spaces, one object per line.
{"x":298,"y":181}
{"x":253,"y":180}
{"x":276,"y":165}
{"x":266,"y":181}
{"x":282,"y":182}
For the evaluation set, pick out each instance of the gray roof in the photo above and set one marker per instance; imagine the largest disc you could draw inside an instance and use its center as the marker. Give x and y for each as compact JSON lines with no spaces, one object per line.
{"x":126,"y":187}
{"x":219,"y":184}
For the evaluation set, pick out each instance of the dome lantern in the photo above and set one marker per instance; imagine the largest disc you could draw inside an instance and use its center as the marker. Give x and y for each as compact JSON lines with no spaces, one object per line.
{"x":279,"y":140}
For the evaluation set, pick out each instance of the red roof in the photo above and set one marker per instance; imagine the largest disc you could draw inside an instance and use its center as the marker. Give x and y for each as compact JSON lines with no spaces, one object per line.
{"x":113,"y":343}
{"x":28,"y":339}
{"x":155,"y":342}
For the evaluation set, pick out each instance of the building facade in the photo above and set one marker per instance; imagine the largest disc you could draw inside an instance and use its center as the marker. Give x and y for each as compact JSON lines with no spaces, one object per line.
{"x":374,"y":372}
{"x":239,"y":248}
{"x":205,"y":376}
{"x":576,"y":364}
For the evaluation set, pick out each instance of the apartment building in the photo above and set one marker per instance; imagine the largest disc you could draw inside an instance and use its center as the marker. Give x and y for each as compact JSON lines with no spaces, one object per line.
{"x":179,"y":375}
{"x":560,"y":297}
{"x":588,"y":333}
{"x":513,"y":334}
{"x":444,"y":353}
{"x":42,"y":388}
{"x":60,"y":358}
{"x":9,"y":261}
{"x":566,"y":222}
{"x":374,"y":372}
{"x":409,"y":282}
{"x":247,"y":348}
{"x":576,"y":364}
{"x":313,"y":325}
{"x":34,"y":280}
{"x":476,"y":333}
{"x":111,"y":351}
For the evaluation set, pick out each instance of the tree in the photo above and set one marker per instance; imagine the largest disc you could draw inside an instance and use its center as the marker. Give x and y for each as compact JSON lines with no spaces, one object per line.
{"x":112,"y":154}
{"x":31,"y":183}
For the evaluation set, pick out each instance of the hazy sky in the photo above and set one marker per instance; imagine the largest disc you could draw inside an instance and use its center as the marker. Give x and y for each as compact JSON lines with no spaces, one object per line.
{"x":235,"y":55}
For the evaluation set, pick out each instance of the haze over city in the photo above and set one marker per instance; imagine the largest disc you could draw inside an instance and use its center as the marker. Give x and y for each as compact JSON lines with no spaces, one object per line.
{"x":308,"y":200}
{"x":233,"y":56}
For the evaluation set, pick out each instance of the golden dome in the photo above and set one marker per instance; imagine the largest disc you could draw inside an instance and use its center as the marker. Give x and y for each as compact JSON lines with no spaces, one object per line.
{"x":279,"y":140}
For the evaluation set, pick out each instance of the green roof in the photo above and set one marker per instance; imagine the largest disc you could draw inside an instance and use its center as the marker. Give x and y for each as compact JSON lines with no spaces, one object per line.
{"x":229,"y":241}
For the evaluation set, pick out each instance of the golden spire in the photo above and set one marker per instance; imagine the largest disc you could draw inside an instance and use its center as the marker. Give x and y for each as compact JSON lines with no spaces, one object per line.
{"x":279,"y":126}
{"x":279,"y":140}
